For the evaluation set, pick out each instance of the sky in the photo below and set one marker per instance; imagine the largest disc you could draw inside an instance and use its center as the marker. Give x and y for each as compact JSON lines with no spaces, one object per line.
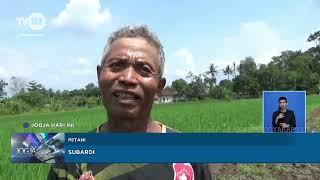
{"x":60,"y":43}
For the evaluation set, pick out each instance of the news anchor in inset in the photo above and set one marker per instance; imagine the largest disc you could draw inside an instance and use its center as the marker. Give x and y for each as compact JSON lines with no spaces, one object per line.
{"x":284,"y":119}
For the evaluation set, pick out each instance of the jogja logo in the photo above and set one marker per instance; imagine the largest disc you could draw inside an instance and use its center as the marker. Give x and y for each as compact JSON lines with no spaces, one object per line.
{"x":183,"y":171}
{"x":26,"y":151}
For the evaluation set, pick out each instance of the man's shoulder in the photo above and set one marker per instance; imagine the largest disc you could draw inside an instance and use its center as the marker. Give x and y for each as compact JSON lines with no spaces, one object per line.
{"x":171,"y":130}
{"x":166,"y":129}
{"x":290,"y":111}
{"x":96,"y":130}
{"x":93,"y":130}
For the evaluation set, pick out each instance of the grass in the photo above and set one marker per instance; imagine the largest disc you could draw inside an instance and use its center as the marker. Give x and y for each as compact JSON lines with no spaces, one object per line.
{"x":199,"y":116}
{"x":212,"y":116}
{"x":313,"y":102}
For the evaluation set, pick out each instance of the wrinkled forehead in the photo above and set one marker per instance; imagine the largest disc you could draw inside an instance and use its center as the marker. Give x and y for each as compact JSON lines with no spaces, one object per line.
{"x":133,"y":48}
{"x":129,"y":53}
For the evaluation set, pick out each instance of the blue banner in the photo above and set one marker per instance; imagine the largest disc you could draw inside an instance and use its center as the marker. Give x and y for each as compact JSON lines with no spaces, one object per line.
{"x":192,"y":147}
{"x":165,"y":148}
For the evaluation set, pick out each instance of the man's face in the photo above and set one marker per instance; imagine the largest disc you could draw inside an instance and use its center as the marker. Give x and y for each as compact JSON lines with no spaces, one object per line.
{"x":129,"y":78}
{"x":283,"y":104}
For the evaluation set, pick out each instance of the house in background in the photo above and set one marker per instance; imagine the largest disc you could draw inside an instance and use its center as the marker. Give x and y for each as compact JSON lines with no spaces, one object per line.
{"x":167,"y":96}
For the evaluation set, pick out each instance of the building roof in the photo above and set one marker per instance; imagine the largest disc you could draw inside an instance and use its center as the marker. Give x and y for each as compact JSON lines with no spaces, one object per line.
{"x":168,"y":92}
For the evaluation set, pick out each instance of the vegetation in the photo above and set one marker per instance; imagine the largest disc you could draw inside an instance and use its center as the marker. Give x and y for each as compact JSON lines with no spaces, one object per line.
{"x":35,"y":97}
{"x":291,"y":70}
{"x":198,"y":116}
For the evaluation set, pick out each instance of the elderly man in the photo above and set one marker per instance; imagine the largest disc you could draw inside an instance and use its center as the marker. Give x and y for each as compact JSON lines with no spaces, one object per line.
{"x":130,"y":79}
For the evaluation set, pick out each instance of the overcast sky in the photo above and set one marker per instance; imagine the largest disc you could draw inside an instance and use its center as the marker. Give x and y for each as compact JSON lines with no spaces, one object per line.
{"x":59,"y":44}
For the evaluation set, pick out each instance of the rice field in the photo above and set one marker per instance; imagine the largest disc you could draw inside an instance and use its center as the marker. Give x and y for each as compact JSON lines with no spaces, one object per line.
{"x":199,"y":116}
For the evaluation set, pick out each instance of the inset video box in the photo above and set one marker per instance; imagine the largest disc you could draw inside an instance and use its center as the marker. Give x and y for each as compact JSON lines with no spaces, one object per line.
{"x":37,"y":148}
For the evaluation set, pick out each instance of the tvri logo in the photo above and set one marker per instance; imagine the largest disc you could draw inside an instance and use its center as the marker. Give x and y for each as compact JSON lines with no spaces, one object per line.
{"x":35,"y":21}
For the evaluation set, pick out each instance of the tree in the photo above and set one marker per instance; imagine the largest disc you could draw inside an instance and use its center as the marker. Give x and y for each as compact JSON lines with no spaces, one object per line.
{"x":76,"y":92}
{"x":91,"y":90}
{"x":315,"y":80}
{"x":2,"y":86}
{"x":246,"y":82}
{"x":181,"y":86}
{"x":227,"y":71}
{"x":274,"y":71}
{"x":212,"y":72}
{"x":32,"y":98}
{"x":234,"y":70}
{"x":314,"y":52}
{"x":314,"y":37}
{"x":33,"y":86}
{"x":299,"y":69}
{"x":264,"y":76}
{"x":226,"y":83}
{"x":80,"y":100}
{"x":198,"y":87}
{"x":17,"y":85}
{"x":36,"y":95}
{"x":247,"y":66}
{"x":65,"y":94}
{"x":50,"y":93}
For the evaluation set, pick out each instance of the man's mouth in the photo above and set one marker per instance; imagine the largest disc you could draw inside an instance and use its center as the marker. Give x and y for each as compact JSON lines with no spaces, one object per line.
{"x":126,"y":95}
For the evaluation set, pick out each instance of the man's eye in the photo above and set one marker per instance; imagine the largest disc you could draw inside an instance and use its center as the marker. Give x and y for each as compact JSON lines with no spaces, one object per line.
{"x":144,"y":70}
{"x":117,"y":65}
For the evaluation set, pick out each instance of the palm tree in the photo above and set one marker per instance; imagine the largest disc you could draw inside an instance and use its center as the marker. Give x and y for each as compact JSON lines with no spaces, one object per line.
{"x":228,"y":71}
{"x":212,"y":72}
{"x":234,"y":69}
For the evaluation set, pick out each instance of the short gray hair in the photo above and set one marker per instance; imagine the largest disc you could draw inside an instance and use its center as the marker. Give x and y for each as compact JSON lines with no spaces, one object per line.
{"x":136,"y":31}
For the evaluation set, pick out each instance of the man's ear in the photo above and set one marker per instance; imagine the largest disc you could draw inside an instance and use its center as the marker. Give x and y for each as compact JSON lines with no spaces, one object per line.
{"x":161,"y":85}
{"x":99,"y":68}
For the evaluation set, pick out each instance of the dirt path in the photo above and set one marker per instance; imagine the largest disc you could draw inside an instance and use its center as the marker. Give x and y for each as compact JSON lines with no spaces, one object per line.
{"x":313,"y":120}
{"x":265,"y":171}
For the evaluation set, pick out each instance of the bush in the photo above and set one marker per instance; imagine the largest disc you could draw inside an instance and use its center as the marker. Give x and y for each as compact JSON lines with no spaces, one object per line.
{"x":16,"y":106}
{"x":34,"y":98}
{"x":220,"y":92}
{"x":92,"y":102}
{"x":69,"y":105}
{"x":79,"y":100}
{"x":56,"y":106}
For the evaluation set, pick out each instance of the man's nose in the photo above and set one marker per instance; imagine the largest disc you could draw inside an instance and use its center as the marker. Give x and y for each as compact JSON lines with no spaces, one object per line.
{"x":128,"y":76}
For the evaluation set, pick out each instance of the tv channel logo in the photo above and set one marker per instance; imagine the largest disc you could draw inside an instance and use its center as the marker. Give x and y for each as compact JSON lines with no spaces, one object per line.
{"x":37,"y":148}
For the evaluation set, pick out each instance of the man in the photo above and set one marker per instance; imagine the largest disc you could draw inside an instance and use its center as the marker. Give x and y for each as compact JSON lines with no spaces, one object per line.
{"x":130,"y":79}
{"x":284,"y":119}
